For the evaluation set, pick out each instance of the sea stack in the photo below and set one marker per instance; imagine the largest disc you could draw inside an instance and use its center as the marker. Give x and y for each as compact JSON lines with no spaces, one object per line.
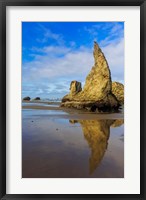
{"x":37,"y":98}
{"x":97,"y":93}
{"x":26,"y":99}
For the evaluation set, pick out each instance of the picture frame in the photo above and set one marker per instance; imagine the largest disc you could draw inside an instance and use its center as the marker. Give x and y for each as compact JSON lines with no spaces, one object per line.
{"x":4,"y":109}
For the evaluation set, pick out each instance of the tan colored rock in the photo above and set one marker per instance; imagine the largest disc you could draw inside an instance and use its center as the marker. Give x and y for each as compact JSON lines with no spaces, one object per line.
{"x":118,"y":91}
{"x":98,"y":81}
{"x":75,"y":87}
{"x":96,"y":94}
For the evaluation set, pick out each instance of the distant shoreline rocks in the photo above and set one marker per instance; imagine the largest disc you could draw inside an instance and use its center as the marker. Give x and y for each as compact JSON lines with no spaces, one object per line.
{"x":26,"y":98}
{"x":37,"y":98}
{"x":97,"y":95}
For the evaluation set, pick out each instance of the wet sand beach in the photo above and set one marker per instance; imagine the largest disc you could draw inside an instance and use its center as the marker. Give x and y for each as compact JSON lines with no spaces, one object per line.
{"x":68,"y":143}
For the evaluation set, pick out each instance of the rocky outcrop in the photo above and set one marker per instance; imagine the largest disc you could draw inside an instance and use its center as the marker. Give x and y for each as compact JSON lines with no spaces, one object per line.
{"x":97,"y":92}
{"x":26,"y":99}
{"x":37,"y":98}
{"x":118,"y":91}
{"x":75,"y":87}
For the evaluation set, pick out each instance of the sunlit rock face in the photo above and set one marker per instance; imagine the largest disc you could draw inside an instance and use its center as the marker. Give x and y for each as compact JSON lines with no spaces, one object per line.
{"x":97,"y":92}
{"x":96,"y":133}
{"x":118,"y":91}
{"x":75,"y":87}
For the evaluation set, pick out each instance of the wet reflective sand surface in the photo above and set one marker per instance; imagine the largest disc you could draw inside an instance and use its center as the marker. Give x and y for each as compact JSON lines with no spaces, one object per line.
{"x":55,"y":146}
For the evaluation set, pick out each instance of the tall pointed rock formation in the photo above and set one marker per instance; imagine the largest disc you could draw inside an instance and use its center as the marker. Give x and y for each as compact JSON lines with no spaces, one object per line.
{"x":97,"y":92}
{"x":98,"y":81}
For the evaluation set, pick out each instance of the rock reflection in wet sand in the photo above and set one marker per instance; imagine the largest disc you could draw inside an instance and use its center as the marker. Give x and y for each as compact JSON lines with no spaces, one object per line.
{"x":63,"y":153}
{"x":97,"y":132}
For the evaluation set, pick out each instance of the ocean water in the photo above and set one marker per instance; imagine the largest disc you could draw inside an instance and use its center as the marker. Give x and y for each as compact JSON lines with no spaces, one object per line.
{"x":57,"y":147}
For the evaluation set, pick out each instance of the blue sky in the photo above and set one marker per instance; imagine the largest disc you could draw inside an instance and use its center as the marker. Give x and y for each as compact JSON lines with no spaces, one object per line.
{"x":55,"y":53}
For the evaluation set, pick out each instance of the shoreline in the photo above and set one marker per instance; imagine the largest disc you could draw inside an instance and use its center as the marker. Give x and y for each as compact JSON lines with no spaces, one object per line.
{"x":69,"y":113}
{"x":41,"y":101}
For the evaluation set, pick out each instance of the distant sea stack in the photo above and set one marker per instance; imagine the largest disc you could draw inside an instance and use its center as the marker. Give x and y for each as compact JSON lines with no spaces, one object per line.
{"x":26,"y":99}
{"x":37,"y":98}
{"x":97,"y":93}
{"x":118,"y":91}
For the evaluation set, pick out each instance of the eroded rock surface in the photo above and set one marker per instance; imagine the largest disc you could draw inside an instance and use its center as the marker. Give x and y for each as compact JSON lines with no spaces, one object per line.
{"x":118,"y":91}
{"x":97,"y":92}
{"x":75,"y":87}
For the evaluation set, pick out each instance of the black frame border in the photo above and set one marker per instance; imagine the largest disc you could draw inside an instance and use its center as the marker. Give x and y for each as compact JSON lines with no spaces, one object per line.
{"x":3,"y":5}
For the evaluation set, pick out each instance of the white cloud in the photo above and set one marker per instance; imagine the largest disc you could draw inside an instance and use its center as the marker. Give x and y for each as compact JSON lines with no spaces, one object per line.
{"x":48,"y":34}
{"x":114,"y":32}
{"x":50,"y":50}
{"x":73,"y":63}
{"x":114,"y":54}
{"x":117,"y":29}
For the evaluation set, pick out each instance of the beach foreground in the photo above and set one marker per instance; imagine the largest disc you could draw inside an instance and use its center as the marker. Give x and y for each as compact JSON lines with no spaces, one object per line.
{"x":67,"y":143}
